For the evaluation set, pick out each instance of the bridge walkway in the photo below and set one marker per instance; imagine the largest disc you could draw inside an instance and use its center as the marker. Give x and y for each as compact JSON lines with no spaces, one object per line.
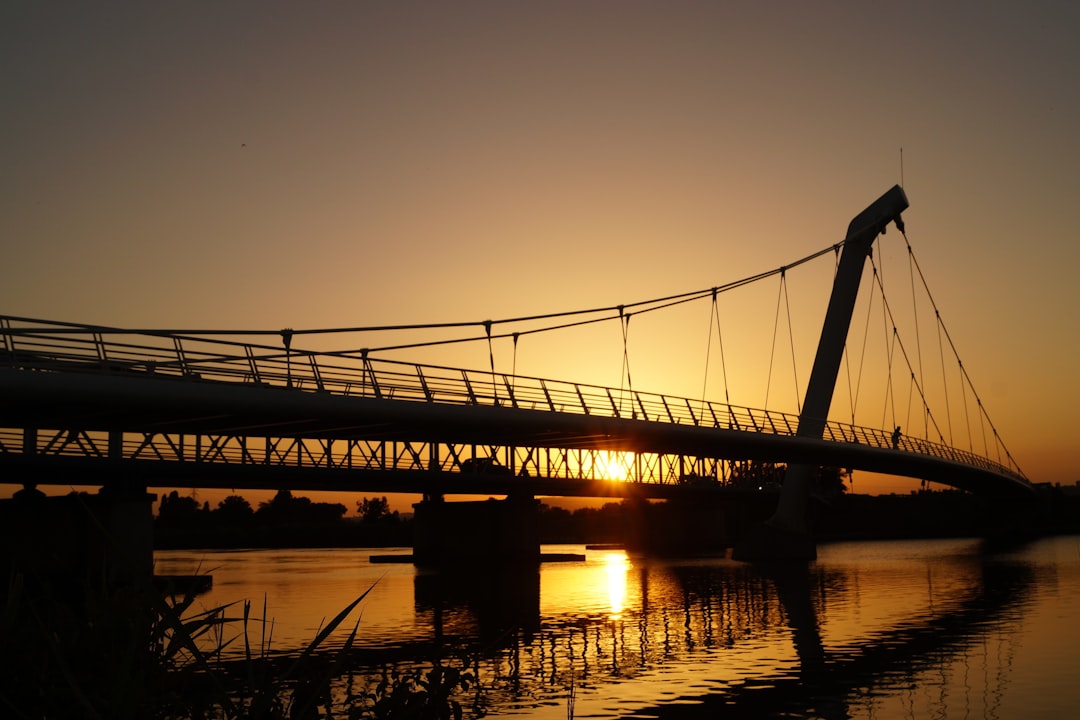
{"x":83,"y":392}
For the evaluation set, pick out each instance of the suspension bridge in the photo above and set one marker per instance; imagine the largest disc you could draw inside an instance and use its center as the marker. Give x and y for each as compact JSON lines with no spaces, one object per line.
{"x":153,"y":408}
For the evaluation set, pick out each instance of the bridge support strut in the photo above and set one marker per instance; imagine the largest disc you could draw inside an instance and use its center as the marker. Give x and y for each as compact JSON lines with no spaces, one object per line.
{"x":785,"y":536}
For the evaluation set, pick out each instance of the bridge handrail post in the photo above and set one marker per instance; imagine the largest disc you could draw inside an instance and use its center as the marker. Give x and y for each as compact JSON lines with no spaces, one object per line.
{"x":769,"y":419}
{"x":753,"y":418}
{"x":690,"y":409}
{"x":252,"y":364}
{"x":641,"y":406}
{"x":510,"y":391}
{"x":423,"y":383}
{"x":469,"y":388}
{"x":181,"y":358}
{"x":581,"y":399}
{"x":712,"y":412}
{"x":611,"y":399}
{"x":667,"y":409}
{"x":102,"y":354}
{"x":9,"y":339}
{"x":316,"y":375}
{"x":369,"y":371}
{"x":547,"y":394}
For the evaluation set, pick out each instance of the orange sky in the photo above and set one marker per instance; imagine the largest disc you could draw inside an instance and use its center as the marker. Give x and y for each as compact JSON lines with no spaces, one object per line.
{"x":264,"y":165}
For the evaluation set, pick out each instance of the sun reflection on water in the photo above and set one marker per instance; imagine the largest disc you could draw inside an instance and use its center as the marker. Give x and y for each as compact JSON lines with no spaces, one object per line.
{"x":616,"y":566}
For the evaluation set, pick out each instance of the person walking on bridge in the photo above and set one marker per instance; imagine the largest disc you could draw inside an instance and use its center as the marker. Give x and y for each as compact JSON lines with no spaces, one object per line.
{"x":896,"y":438}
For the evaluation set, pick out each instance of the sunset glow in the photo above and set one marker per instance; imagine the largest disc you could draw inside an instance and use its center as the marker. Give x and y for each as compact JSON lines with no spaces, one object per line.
{"x":253,"y":167}
{"x":603,"y":359}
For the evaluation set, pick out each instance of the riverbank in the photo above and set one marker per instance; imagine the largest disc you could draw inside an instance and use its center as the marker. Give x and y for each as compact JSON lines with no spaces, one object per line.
{"x":845,"y":517}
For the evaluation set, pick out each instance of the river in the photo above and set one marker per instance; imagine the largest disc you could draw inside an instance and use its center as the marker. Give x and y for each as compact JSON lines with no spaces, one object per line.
{"x":903,"y":629}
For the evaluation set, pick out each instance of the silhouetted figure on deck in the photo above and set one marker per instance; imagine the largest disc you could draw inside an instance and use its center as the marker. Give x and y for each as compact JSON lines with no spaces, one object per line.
{"x":896,"y":438}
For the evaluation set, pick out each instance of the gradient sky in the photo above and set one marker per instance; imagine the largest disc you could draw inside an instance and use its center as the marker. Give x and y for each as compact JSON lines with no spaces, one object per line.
{"x":263,"y":165}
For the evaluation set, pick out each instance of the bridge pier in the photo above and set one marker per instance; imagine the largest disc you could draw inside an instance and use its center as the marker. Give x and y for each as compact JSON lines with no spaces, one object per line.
{"x":686,"y":527}
{"x":76,"y":588}
{"x":487,"y":531}
{"x":701,"y":525}
{"x":77,"y":542}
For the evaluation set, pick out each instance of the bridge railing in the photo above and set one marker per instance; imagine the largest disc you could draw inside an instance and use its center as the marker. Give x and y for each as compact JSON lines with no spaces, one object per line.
{"x":38,"y":345}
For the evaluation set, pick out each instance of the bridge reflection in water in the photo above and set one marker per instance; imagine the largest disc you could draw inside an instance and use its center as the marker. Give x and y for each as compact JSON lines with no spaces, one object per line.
{"x":686,"y":639}
{"x":704,"y":638}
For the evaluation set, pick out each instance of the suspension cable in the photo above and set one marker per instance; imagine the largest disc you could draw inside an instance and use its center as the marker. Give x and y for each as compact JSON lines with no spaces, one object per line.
{"x":984,"y":417}
{"x":899,"y":343}
{"x":638,"y":307}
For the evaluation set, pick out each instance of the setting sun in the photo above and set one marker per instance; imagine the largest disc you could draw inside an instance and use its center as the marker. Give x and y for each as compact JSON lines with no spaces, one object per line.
{"x":612,"y":465}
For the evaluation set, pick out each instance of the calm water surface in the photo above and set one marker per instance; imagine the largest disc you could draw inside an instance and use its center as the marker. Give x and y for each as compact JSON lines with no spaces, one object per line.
{"x":912,"y":629}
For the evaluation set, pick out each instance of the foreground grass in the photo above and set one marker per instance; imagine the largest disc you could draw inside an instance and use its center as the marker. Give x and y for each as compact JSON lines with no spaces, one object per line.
{"x":136,"y":652}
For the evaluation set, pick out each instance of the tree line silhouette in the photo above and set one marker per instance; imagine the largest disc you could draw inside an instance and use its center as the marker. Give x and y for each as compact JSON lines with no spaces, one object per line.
{"x":285,"y":520}
{"x":288,"y":520}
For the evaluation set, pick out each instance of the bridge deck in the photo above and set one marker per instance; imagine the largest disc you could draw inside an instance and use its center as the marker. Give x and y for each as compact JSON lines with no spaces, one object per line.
{"x":155,"y":399}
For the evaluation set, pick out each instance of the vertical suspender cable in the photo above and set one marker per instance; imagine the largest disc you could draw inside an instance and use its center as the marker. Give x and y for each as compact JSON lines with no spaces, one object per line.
{"x":862,"y":356}
{"x":772,"y":349}
{"x":791,"y":340}
{"x":982,"y":426}
{"x":723,"y":360}
{"x":918,"y":337}
{"x":708,"y":348}
{"x":847,"y":359}
{"x":890,"y":350}
{"x":286,"y":339}
{"x":513,"y":367}
{"x":965,"y":382}
{"x":910,"y":392}
{"x":491,"y":358}
{"x":963,"y":394}
{"x":944,"y":376}
{"x":714,"y":320}
{"x":624,"y":318}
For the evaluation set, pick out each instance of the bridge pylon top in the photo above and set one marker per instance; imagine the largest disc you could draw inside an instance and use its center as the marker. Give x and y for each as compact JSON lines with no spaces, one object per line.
{"x":872,"y":221}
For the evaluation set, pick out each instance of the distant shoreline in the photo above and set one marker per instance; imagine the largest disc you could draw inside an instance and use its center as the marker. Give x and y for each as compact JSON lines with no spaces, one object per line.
{"x":847,"y":518}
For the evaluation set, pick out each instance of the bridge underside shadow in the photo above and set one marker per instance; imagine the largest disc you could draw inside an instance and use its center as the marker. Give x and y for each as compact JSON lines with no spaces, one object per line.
{"x":130,"y":412}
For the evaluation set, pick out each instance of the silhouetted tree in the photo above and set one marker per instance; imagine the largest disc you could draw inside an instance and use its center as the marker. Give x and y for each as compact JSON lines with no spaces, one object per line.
{"x":832,"y":481}
{"x":284,"y":509}
{"x":558,"y":525}
{"x":375,"y":510}
{"x":179,"y":510}
{"x":234,"y":510}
